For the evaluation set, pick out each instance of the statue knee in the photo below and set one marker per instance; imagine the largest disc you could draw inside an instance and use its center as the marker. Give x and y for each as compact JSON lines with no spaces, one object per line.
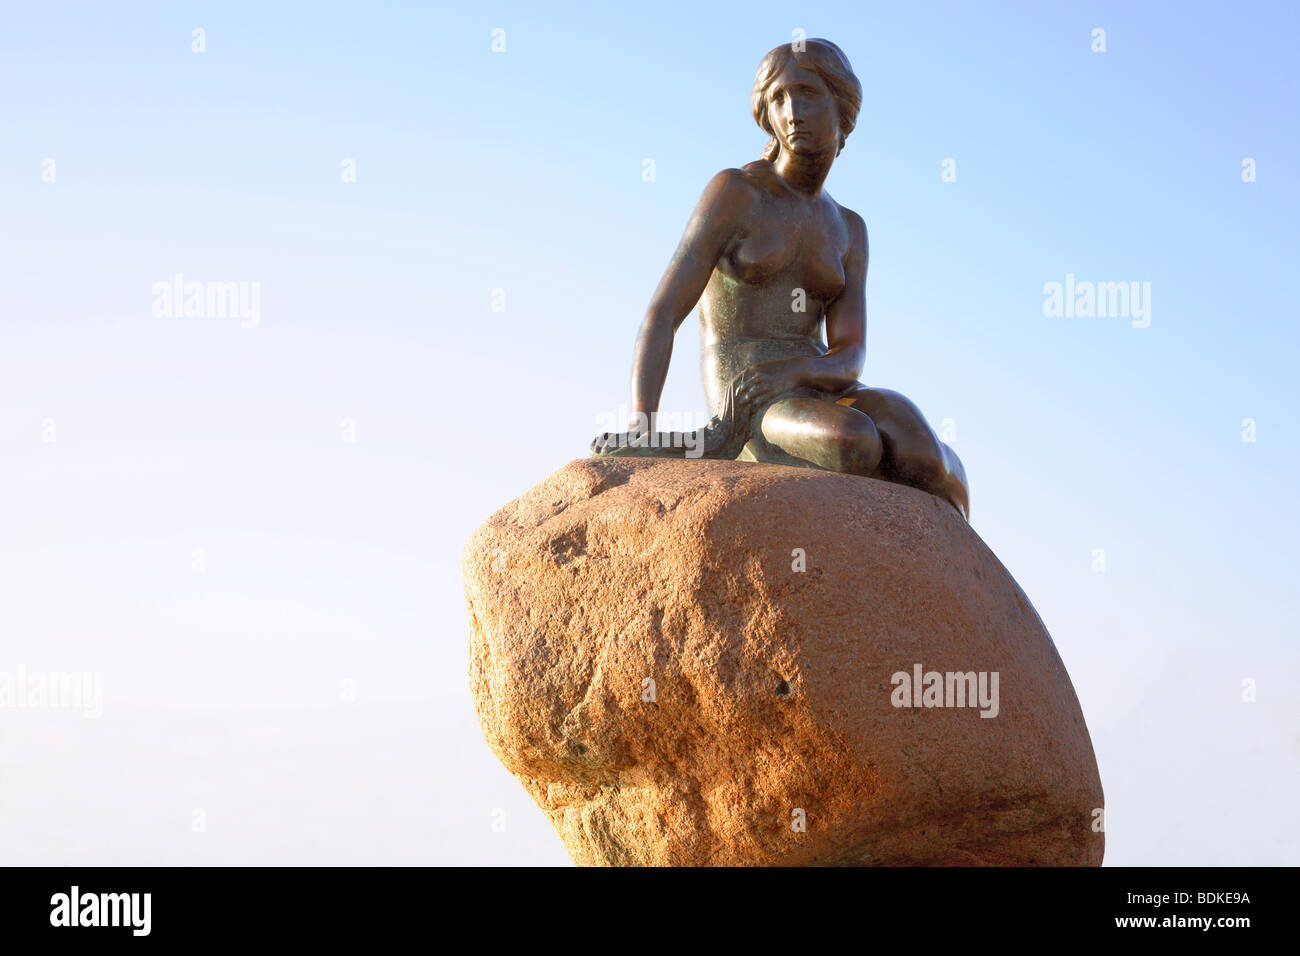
{"x":858,"y":447}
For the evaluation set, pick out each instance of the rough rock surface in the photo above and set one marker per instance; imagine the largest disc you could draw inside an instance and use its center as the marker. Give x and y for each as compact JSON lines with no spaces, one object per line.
{"x":646,"y":659}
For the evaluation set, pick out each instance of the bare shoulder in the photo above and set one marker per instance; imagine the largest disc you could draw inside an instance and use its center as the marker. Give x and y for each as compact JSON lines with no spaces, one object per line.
{"x":727,"y":206}
{"x":763,"y":177}
{"x":857,"y":226}
{"x":735,"y":184}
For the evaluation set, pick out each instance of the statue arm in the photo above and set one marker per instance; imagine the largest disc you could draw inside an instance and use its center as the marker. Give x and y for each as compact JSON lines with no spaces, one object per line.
{"x":712,"y":227}
{"x":846,"y":319}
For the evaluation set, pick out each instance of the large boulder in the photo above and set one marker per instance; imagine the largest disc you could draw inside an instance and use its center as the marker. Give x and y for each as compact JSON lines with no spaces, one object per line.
{"x":702,"y":663}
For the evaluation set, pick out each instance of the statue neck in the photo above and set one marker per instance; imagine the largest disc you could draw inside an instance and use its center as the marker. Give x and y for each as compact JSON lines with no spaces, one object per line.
{"x":805,"y":173}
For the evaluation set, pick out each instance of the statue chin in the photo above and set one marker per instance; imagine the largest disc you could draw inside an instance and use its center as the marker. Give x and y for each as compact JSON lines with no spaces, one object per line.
{"x":807,"y":148}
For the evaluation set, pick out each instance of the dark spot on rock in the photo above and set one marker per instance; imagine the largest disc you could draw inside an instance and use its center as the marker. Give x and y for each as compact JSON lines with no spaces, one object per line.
{"x":581,"y":748}
{"x":568,"y":547}
{"x":783,"y":688}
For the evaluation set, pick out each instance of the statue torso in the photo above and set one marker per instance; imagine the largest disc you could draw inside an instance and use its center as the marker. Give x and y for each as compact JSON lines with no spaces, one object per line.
{"x":749,"y":309}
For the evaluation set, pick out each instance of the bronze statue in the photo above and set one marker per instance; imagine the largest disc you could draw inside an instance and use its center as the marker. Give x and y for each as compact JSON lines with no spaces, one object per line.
{"x":770,"y":257}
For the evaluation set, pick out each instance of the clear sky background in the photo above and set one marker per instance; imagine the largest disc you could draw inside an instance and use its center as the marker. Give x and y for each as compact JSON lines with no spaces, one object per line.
{"x":278,"y":612}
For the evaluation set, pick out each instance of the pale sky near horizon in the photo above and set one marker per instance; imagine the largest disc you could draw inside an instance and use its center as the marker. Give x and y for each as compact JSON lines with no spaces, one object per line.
{"x":254,"y":533}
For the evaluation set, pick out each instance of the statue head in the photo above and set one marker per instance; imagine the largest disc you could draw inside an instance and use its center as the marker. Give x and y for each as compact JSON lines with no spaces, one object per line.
{"x":800,"y":93}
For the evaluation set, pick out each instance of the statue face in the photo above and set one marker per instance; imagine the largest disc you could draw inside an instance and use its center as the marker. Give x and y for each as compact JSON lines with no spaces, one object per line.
{"x":802,"y":112}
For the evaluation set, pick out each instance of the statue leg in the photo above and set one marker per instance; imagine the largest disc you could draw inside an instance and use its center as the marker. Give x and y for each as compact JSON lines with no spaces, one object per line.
{"x":814,"y":433}
{"x":913,"y":454}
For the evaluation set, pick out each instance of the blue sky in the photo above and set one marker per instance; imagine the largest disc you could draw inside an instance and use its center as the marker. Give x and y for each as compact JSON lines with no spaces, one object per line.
{"x":522,"y":171}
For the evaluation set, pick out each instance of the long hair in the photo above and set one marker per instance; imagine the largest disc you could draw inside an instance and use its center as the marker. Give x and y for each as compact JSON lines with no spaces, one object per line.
{"x":826,"y":60}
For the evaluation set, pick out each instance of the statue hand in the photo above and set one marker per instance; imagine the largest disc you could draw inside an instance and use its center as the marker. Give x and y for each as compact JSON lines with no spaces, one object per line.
{"x":765,"y":381}
{"x":621,"y":444}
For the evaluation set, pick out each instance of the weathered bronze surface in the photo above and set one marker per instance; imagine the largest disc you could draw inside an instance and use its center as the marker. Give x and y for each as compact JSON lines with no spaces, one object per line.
{"x":778,"y":269}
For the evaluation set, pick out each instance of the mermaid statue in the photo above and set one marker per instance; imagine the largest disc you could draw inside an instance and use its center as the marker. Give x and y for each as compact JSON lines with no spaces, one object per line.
{"x":778,"y":270}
